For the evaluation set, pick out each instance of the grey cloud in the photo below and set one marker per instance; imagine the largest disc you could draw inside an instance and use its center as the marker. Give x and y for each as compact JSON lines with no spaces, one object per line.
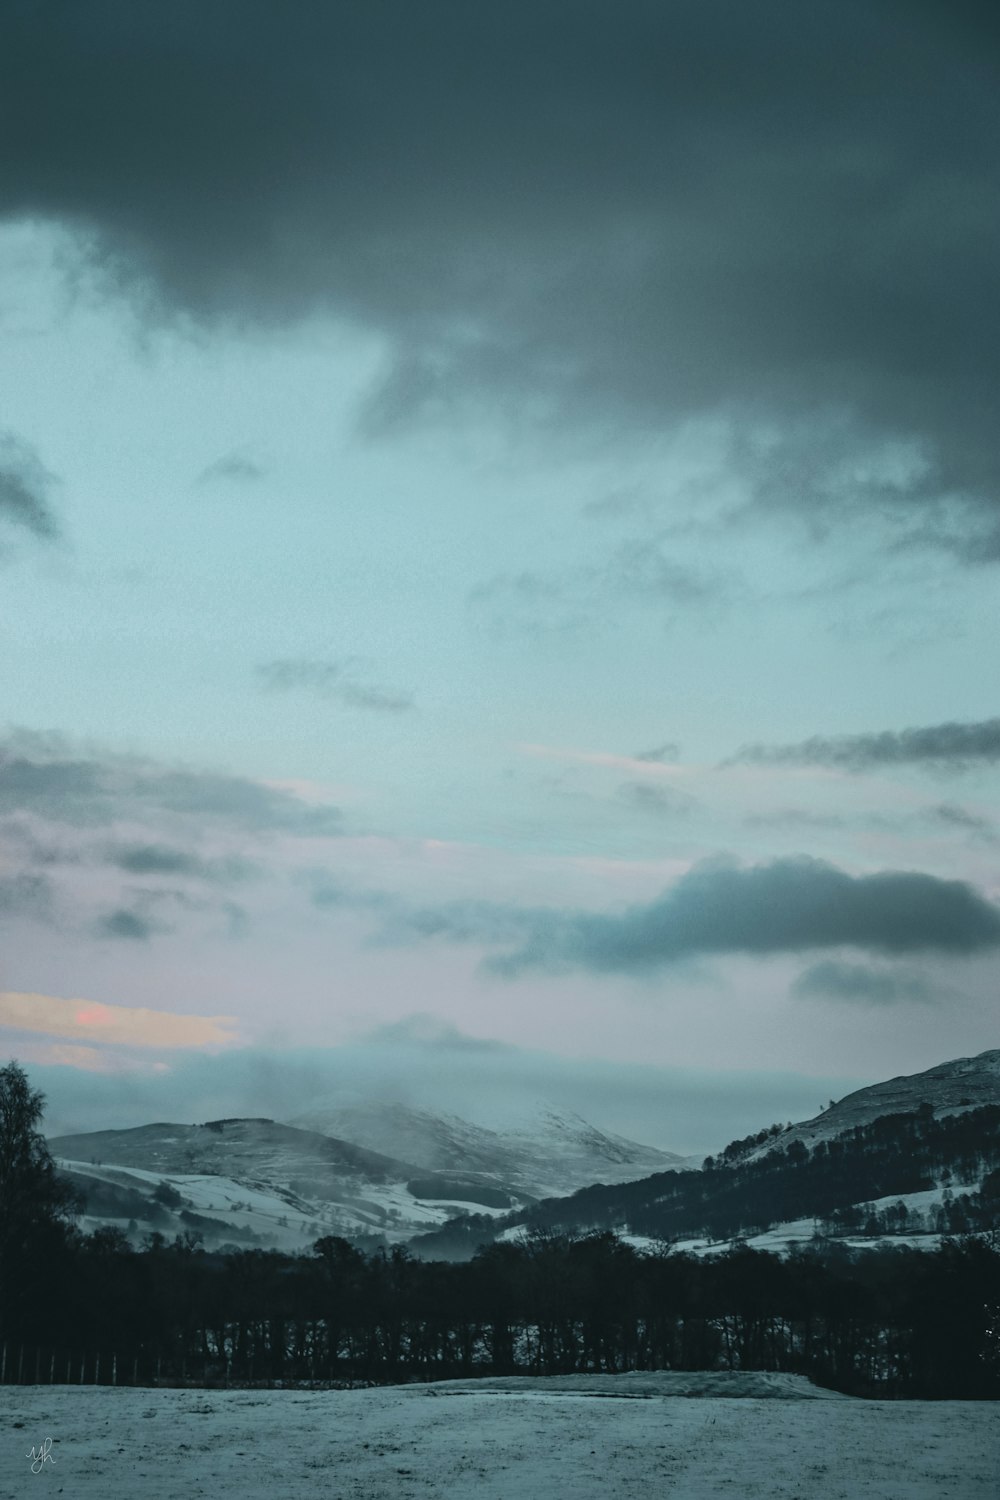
{"x":793,"y":817}
{"x":20,"y":839}
{"x":954,"y":816}
{"x":24,"y":489}
{"x":784,"y":214}
{"x":43,"y":775}
{"x":425,"y":1032}
{"x":659,"y":800}
{"x":485,"y":922}
{"x":538,"y":603}
{"x":139,"y":915}
{"x":956,"y":747}
{"x":162,"y":859}
{"x":789,"y":906}
{"x":637,"y":571}
{"x":859,"y":984}
{"x":328,"y":892}
{"x":26,"y":895}
{"x":640,"y":568}
{"x":336,"y":679}
{"x":130,"y":926}
{"x":234,"y":466}
{"x":437,"y":1069}
{"x":669,"y":750}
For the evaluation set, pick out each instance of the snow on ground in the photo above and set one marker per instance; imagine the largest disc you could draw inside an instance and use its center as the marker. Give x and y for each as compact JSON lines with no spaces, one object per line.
{"x":512,"y":1440}
{"x":278,"y":1216}
{"x":782,"y":1237}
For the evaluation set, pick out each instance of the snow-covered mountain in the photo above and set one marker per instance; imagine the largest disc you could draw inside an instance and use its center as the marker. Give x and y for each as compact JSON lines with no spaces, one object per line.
{"x":547,"y":1153}
{"x":357,"y":1171}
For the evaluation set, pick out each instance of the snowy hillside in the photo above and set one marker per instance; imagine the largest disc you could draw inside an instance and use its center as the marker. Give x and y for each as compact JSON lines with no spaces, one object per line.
{"x":545,"y":1154}
{"x":963,"y":1083}
{"x":370,"y":1170}
{"x":250,"y":1182}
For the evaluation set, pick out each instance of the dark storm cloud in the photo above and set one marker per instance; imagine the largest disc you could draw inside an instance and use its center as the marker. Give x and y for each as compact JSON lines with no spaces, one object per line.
{"x":788,"y":906}
{"x":336,"y":680}
{"x":24,"y":489}
{"x":783,"y":214}
{"x":833,"y":980}
{"x":43,"y":775}
{"x":955,"y":747}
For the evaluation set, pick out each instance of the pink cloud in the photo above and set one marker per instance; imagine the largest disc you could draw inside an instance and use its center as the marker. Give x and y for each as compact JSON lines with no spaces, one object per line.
{"x":133,"y":1026}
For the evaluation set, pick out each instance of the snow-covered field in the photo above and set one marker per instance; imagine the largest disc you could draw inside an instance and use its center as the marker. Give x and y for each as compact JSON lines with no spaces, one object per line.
{"x":527,"y":1439}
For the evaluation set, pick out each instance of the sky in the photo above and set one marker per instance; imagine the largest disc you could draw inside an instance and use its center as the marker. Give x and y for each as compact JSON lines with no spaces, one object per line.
{"x":499,"y":544}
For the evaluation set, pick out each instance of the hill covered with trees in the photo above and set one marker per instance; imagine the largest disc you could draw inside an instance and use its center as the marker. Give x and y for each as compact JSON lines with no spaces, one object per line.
{"x":837,"y":1183}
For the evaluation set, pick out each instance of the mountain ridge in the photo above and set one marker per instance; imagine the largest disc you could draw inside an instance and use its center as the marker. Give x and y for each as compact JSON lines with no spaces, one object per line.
{"x":552,"y":1151}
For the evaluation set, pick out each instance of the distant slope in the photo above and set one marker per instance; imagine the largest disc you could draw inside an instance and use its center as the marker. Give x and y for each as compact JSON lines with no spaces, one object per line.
{"x":964,"y":1083}
{"x":930,"y":1166}
{"x":550,"y":1153}
{"x":259,"y":1145}
{"x":256,"y":1181}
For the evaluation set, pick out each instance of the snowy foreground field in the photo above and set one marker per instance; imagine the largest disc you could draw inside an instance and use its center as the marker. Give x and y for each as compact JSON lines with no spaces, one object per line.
{"x":575,"y":1438}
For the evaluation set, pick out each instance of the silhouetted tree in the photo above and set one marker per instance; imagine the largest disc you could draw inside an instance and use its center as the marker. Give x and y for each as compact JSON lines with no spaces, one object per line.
{"x":35,"y":1206}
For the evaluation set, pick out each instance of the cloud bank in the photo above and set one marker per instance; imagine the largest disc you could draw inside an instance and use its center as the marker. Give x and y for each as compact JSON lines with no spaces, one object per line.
{"x":788,"y":906}
{"x":680,"y":1109}
{"x":44,"y":775}
{"x":956,"y":747}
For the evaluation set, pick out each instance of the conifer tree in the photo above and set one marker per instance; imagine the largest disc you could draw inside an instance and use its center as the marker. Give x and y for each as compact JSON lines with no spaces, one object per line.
{"x":35,"y":1206}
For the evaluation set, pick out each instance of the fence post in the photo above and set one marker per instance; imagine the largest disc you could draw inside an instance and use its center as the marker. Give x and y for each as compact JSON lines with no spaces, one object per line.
{"x":3,"y":1366}
{"x":83,"y":1361}
{"x":38,"y":1356}
{"x":135,"y":1370}
{"x":20,"y":1364}
{"x":52,"y":1369}
{"x":114,"y":1369}
{"x":97,"y":1369}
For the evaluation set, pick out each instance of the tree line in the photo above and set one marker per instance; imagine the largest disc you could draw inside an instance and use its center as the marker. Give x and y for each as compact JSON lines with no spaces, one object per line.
{"x":888,"y":1322}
